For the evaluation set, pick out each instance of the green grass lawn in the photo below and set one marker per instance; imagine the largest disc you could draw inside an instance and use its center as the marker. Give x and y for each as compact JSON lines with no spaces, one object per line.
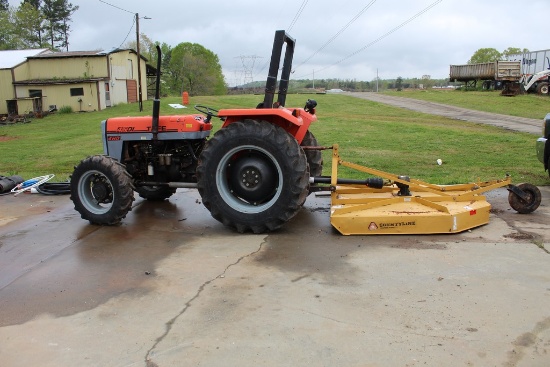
{"x":386,"y":138}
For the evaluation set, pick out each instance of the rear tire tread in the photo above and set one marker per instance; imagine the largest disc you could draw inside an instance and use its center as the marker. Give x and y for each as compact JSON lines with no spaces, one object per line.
{"x":295,"y":175}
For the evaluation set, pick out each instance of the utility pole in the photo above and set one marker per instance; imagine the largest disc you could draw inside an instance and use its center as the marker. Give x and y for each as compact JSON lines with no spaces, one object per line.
{"x":140,"y":96}
{"x":313,"y":78}
{"x":140,"y":100}
{"x":377,"y":80}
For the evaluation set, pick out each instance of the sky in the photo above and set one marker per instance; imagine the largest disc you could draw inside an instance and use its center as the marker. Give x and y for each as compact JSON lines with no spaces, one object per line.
{"x":344,"y":39}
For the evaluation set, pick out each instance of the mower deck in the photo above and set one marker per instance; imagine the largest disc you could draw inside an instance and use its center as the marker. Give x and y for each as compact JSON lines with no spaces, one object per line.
{"x":407,"y":206}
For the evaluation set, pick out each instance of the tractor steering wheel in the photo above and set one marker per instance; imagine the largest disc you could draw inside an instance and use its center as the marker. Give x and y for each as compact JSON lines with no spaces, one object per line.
{"x":208,"y":111}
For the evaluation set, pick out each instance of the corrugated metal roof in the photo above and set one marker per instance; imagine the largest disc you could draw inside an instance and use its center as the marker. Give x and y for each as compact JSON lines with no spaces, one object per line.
{"x":55,"y":55}
{"x":98,"y":53}
{"x":12,"y":58}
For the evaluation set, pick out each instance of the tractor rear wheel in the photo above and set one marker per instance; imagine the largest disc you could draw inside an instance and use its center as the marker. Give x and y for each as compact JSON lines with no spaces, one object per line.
{"x":253,"y":176}
{"x":155,"y":193}
{"x":314,"y":157}
{"x":102,"y":190}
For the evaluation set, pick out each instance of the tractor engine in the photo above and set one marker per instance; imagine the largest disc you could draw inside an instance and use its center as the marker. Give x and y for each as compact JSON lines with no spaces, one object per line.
{"x":162,"y":161}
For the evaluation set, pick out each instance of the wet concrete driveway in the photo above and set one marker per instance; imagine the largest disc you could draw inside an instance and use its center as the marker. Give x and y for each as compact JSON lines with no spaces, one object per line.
{"x":173,"y":287}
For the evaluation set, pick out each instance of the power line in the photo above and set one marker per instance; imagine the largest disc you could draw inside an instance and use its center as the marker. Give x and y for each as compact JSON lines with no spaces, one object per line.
{"x":127,"y":11}
{"x":262,"y":68}
{"x":114,"y":6}
{"x":304,"y":3}
{"x":338,"y":33}
{"x":383,"y":36}
{"x":132,"y":27}
{"x":294,"y":20}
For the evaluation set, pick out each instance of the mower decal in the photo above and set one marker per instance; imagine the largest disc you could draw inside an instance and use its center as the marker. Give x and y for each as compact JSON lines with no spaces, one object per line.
{"x":392,"y":225}
{"x":373,"y":226}
{"x":472,"y":211}
{"x":113,"y":138}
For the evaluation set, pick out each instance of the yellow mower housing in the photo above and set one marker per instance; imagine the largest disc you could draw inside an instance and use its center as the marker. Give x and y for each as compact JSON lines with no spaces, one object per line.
{"x":408,"y":206}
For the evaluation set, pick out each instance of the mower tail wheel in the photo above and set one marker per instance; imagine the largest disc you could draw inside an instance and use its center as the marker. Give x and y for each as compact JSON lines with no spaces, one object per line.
{"x":102,"y":190}
{"x":253,"y":176}
{"x":528,"y":205}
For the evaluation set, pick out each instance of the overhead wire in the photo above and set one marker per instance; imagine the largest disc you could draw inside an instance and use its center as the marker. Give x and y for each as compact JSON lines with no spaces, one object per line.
{"x":117,"y":7}
{"x":339,"y":32}
{"x":381,"y":37}
{"x":127,"y":11}
{"x":292,"y":23}
{"x":125,"y":38}
{"x":300,"y":10}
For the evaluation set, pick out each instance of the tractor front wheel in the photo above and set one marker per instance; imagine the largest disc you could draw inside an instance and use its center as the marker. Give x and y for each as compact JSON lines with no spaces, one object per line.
{"x":253,"y":176}
{"x":101,"y":190}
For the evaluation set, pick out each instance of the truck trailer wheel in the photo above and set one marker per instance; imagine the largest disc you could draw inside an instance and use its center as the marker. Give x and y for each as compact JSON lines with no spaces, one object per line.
{"x":525,"y":206}
{"x":101,"y":190}
{"x":253,"y":176}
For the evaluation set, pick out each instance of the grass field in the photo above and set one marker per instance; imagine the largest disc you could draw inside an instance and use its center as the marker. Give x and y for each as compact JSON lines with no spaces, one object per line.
{"x":372,"y":134}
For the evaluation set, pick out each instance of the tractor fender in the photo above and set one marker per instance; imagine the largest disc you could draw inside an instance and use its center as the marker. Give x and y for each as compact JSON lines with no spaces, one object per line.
{"x":295,"y":121}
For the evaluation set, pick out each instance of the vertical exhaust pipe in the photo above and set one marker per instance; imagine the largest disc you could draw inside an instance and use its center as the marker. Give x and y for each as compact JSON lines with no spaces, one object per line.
{"x":281,"y":37}
{"x":156,"y":101}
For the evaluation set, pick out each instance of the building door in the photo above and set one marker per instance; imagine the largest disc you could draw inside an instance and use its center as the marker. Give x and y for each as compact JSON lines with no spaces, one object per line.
{"x":131,"y":90}
{"x":12,"y":107}
{"x":107,"y":95}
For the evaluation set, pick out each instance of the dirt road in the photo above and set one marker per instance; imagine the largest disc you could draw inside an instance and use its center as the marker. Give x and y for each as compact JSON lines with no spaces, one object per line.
{"x":522,"y":124}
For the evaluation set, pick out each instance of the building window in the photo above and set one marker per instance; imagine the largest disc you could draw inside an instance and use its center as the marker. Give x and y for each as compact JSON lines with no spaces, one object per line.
{"x":77,"y":92}
{"x":35,"y":93}
{"x":130,"y":72}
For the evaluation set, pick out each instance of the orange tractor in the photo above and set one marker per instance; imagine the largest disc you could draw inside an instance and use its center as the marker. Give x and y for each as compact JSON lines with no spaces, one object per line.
{"x":255,"y":173}
{"x":252,"y":174}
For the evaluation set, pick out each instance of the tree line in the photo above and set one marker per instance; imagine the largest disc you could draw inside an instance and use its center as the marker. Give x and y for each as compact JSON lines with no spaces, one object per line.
{"x":489,"y":54}
{"x":36,"y":24}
